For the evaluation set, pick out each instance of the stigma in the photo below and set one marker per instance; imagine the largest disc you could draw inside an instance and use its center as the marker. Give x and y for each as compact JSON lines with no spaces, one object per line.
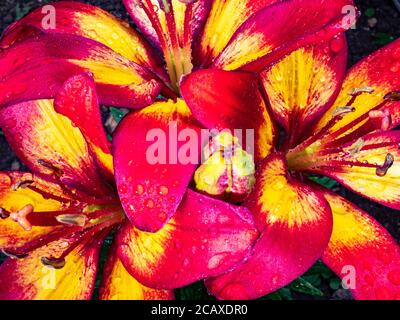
{"x":229,"y":170}
{"x":21,"y":217}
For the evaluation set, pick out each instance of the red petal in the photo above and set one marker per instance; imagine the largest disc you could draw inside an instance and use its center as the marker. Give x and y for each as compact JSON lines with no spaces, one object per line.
{"x":281,"y":28}
{"x":362,"y":252}
{"x":118,"y":284}
{"x":225,"y":17}
{"x":51,"y":146}
{"x":296,"y":224}
{"x":87,"y":21}
{"x":204,"y":238}
{"x":230,"y":100}
{"x":78,"y":101}
{"x":379,"y":71}
{"x":358,"y":170}
{"x":151,"y":174}
{"x":302,"y":85}
{"x":36,"y":69}
{"x":29,"y":279}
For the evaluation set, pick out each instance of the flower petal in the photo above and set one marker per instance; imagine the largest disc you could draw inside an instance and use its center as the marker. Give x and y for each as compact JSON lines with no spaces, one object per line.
{"x":90,"y":22}
{"x":17,"y":190}
{"x":362,"y":248}
{"x":260,"y":40}
{"x":296,"y":85}
{"x":204,"y":238}
{"x":360,"y":171}
{"x":151,"y":171}
{"x":118,"y":284}
{"x":230,"y":100}
{"x":225,"y":17}
{"x":379,"y":71}
{"x":296,"y":224}
{"x":37,"y":67}
{"x":151,"y":18}
{"x":51,"y":146}
{"x":77,"y":100}
{"x":29,"y":279}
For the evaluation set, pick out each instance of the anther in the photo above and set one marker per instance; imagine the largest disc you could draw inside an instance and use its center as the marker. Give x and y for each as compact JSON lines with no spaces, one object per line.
{"x":381,"y":171}
{"x":385,"y":117}
{"x":21,"y":217}
{"x":360,"y":90}
{"x":341,"y":111}
{"x":21,"y":184}
{"x":72,"y":219}
{"x":58,"y":172}
{"x":14,"y":255}
{"x":356,"y":147}
{"x":53,"y":262}
{"x":393,"y":96}
{"x":4,"y":214}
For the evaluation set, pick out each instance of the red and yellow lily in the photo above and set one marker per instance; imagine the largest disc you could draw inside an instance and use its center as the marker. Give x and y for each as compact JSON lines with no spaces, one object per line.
{"x":54,"y":220}
{"x":335,"y":125}
{"x":260,"y":67}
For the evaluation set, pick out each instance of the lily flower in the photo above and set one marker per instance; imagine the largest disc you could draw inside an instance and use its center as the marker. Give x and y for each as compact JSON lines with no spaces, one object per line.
{"x":55,"y":218}
{"x":335,"y":124}
{"x":212,"y":54}
{"x":129,"y":72}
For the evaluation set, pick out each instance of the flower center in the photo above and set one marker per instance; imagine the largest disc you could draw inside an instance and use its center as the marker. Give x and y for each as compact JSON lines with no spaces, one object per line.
{"x":228,"y":170}
{"x":76,"y":222}
{"x":175,"y":43}
{"x":342,"y":147}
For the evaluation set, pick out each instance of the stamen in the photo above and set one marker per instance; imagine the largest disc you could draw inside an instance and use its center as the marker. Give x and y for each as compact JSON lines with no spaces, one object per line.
{"x":56,"y":263}
{"x":72,"y":219}
{"x":21,"y":217}
{"x":164,"y":5}
{"x":382,"y":170}
{"x":356,"y":147}
{"x":14,"y":255}
{"x":393,"y":96}
{"x":385,"y":117}
{"x":4,"y":214}
{"x":188,"y":1}
{"x":57,"y":171}
{"x":21,"y":184}
{"x":360,"y":90}
{"x":341,"y":111}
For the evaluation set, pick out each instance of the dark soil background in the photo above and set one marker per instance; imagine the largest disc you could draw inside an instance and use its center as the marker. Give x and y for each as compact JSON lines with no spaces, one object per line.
{"x":378,"y":25}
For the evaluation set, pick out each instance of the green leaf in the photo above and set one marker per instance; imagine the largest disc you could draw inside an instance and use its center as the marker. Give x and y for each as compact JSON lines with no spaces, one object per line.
{"x":335,"y":283}
{"x":303,"y":286}
{"x":117,"y":114}
{"x":195,"y":291}
{"x":324,"y":181}
{"x":370,"y":12}
{"x":382,"y":38}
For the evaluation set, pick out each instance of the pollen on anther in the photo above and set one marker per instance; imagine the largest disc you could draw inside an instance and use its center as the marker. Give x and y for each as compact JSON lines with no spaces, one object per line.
{"x":360,"y":90}
{"x":341,"y":111}
{"x":381,"y":171}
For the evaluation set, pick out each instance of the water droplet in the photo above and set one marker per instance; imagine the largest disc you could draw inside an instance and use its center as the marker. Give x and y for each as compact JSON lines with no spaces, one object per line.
{"x":178,"y":244}
{"x":395,"y":67}
{"x":163,"y":190}
{"x":337,"y":44}
{"x":122,"y":189}
{"x":186,"y":262}
{"x":234,"y":291}
{"x":139,"y":189}
{"x":149,"y":204}
{"x":216,"y":260}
